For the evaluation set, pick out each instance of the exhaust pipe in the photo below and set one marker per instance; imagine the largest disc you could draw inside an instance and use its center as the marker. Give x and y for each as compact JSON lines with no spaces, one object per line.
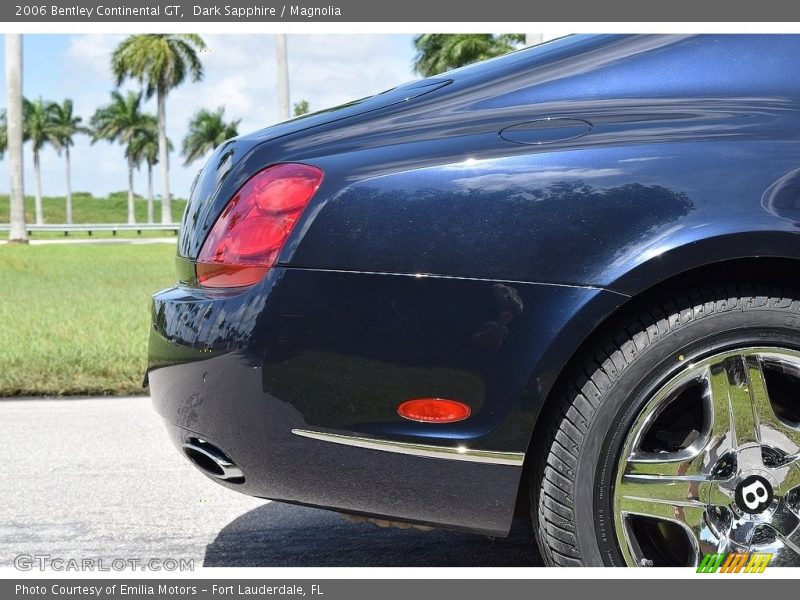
{"x":212,"y":461}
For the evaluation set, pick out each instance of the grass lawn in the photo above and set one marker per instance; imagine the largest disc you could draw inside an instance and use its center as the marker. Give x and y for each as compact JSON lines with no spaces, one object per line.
{"x":90,"y":209}
{"x":75,"y":317}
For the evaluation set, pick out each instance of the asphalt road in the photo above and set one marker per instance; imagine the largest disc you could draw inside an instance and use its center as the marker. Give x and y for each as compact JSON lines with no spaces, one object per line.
{"x":98,"y":478}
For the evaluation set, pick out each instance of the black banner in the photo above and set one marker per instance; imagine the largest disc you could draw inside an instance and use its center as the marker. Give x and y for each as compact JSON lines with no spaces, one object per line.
{"x":732,"y":588}
{"x":406,"y":11}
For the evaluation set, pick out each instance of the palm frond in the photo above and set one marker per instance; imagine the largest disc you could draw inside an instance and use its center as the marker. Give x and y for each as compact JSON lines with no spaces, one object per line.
{"x":207,"y":130}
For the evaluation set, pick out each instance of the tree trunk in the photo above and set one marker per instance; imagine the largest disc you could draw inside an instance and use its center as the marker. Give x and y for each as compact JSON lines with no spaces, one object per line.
{"x":131,"y":204}
{"x":283,"y":76}
{"x":149,"y":193}
{"x":37,"y":175}
{"x":69,"y":187}
{"x":163,"y":157}
{"x":13,"y":63}
{"x":532,"y":39}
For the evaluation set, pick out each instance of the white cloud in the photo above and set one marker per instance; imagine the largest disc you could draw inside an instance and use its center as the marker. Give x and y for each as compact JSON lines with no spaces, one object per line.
{"x":89,"y":57}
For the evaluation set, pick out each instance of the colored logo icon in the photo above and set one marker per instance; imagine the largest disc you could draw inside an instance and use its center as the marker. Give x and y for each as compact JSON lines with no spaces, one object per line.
{"x":744,"y":562}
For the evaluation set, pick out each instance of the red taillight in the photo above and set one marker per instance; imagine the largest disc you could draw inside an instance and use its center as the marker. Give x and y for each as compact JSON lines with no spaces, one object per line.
{"x":434,"y":410}
{"x":249,"y":234}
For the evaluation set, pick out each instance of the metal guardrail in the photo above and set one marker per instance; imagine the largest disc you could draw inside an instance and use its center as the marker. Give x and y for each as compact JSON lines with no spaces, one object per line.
{"x":92,"y":227}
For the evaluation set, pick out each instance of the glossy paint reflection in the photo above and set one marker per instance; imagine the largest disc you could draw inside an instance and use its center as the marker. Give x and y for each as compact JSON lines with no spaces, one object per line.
{"x":345,"y":349}
{"x":443,"y":257}
{"x":688,"y":135}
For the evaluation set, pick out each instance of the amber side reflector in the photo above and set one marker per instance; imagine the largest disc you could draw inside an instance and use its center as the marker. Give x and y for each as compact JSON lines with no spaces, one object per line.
{"x":434,"y":410}
{"x":229,"y":275}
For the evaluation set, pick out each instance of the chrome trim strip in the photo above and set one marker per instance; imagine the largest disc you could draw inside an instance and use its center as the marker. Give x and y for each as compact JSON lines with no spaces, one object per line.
{"x":457,"y":277}
{"x":514,"y":459}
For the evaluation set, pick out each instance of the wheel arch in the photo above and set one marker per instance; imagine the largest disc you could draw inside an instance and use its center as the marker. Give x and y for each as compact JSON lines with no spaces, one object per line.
{"x":675,"y":259}
{"x":756,"y":270}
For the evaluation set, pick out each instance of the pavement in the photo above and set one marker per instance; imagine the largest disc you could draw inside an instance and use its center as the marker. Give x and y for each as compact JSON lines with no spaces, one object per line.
{"x":98,"y":478}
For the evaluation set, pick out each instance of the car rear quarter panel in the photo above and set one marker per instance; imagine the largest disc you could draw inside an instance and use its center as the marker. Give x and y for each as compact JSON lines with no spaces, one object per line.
{"x":438,"y":258}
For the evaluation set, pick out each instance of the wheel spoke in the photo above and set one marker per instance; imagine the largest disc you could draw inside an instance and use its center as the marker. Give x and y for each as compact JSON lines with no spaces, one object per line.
{"x":734,"y":393}
{"x":759,"y":397}
{"x":688,"y":512}
{"x":717,"y":493}
{"x":666,"y":497}
{"x":773,"y":431}
{"x":786,"y":524}
{"x":790,"y":478}
{"x":667,"y":486}
{"x":741,"y":405}
{"x":685,"y":464}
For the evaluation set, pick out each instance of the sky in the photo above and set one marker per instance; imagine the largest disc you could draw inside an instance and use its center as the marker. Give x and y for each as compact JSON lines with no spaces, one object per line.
{"x":239,"y":74}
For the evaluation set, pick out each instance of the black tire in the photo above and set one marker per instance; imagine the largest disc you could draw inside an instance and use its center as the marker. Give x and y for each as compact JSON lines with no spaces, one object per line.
{"x":573,"y":476}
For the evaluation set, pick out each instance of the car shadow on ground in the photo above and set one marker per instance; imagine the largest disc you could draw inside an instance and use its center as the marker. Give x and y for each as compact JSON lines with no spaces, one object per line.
{"x":282,"y":535}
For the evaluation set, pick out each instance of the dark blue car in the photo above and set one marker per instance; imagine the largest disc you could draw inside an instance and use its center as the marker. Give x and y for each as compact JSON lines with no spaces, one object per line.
{"x":563,"y":281}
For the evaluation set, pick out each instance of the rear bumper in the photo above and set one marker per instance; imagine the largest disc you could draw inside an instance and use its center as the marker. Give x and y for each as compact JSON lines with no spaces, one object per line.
{"x":297,"y":381}
{"x":254,"y":429}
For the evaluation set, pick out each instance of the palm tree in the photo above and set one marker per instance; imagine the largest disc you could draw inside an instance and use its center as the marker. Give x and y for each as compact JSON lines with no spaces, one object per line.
{"x":207,"y":130}
{"x":39,"y":128}
{"x":160,"y":62}
{"x":3,"y":133}
{"x":67,"y":125}
{"x":440,"y":52}
{"x":120,"y":121}
{"x":283,"y":75}
{"x":14,"y":136}
{"x":144,"y":148}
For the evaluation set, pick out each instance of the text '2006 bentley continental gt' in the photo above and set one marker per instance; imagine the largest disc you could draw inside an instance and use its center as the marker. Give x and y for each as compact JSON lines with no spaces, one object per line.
{"x":566,"y":279}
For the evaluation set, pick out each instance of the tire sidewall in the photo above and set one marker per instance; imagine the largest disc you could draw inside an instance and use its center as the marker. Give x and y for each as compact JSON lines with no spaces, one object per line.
{"x":626,"y":396}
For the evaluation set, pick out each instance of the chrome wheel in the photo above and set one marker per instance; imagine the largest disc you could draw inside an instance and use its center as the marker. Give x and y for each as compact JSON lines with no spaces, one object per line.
{"x":712,"y":463}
